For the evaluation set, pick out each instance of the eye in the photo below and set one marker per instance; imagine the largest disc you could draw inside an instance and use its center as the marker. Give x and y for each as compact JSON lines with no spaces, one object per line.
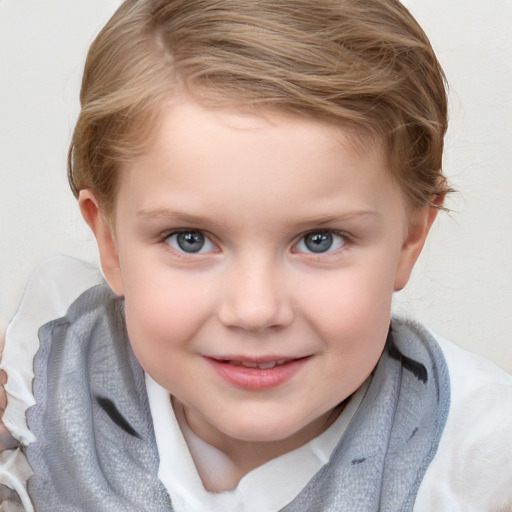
{"x":190,"y":242}
{"x":318,"y":242}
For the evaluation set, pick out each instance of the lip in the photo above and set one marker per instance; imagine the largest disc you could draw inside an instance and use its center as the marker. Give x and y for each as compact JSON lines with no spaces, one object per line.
{"x":238,"y":371}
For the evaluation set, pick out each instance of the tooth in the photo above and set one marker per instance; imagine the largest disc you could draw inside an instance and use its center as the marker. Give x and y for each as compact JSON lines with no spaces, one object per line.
{"x":250,"y":365}
{"x":282,"y":361}
{"x":267,"y":366}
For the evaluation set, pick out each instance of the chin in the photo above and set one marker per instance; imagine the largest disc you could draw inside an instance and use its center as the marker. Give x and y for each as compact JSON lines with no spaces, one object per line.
{"x":260,"y":431}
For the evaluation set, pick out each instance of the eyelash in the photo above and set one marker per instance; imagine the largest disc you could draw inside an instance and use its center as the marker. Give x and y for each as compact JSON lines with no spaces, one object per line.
{"x":334,"y":237}
{"x":205,"y":239}
{"x":342,"y":241}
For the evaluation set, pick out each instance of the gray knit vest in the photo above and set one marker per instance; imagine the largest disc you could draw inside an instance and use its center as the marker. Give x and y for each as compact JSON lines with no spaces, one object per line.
{"x":96,"y":449}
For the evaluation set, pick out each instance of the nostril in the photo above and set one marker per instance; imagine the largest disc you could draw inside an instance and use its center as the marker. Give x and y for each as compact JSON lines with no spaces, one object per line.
{"x":251,"y":313}
{"x":255,"y":298}
{"x":256,"y":318}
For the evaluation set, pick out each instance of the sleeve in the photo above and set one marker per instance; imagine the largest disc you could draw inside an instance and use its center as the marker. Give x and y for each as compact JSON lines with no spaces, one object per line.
{"x":472,"y":469}
{"x":53,"y":286}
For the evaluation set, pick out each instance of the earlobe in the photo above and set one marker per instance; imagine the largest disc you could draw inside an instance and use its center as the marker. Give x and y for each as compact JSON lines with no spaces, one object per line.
{"x":419,"y":228}
{"x":103,"y":232}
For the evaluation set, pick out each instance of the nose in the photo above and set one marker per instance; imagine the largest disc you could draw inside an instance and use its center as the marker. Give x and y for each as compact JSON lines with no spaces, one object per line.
{"x":255,"y":297}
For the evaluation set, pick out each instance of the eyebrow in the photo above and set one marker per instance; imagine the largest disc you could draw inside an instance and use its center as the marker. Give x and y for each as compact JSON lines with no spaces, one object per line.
{"x":165,"y":213}
{"x":322,"y":220}
{"x":187,"y":218}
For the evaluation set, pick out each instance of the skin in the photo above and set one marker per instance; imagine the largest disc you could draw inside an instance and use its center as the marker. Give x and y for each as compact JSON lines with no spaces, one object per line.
{"x":255,"y":186}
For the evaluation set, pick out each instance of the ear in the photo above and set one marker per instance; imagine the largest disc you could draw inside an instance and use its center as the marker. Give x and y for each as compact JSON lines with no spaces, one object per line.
{"x":105,"y":238}
{"x":419,"y":227}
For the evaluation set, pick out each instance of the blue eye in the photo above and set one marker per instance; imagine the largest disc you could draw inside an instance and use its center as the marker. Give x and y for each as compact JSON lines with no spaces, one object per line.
{"x":190,"y":242}
{"x":318,"y":242}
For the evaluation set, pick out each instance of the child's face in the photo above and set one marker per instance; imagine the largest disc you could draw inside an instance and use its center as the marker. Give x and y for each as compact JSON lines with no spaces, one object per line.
{"x":258,"y":257}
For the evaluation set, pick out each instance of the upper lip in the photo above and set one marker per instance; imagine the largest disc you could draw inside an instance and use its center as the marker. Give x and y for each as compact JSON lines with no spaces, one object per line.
{"x":263,"y":362}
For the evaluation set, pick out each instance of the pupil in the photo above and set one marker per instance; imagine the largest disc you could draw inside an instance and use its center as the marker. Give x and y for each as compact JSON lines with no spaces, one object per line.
{"x":318,"y":242}
{"x":191,"y":241}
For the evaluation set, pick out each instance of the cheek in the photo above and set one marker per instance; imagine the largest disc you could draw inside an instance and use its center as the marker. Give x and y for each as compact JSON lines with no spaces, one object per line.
{"x":162,"y":317}
{"x":351,"y":313}
{"x":161,"y":337}
{"x":353,"y":298}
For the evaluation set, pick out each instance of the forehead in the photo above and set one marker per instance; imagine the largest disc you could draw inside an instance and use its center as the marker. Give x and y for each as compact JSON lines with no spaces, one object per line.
{"x":241,"y":164}
{"x":187,"y":123}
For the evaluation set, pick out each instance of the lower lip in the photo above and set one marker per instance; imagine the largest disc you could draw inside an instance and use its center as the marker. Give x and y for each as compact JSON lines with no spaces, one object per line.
{"x":256,"y":379}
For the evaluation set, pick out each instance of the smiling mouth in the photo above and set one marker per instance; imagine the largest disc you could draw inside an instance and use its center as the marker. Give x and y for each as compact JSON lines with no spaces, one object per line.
{"x":268,"y":365}
{"x":257,"y":375}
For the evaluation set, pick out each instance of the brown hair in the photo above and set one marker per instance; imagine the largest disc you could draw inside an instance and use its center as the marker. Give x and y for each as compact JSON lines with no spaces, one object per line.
{"x":365,"y":64}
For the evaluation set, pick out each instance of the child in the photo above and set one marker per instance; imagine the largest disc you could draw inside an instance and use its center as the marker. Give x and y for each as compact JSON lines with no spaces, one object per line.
{"x":260,"y":177}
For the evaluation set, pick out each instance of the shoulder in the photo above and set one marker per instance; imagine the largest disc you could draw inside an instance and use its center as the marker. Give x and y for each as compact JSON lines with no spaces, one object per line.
{"x":472,"y":469}
{"x":52,"y":287}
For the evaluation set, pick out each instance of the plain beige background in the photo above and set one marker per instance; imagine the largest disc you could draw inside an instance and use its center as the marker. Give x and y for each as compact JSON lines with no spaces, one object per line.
{"x":462,"y":286}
